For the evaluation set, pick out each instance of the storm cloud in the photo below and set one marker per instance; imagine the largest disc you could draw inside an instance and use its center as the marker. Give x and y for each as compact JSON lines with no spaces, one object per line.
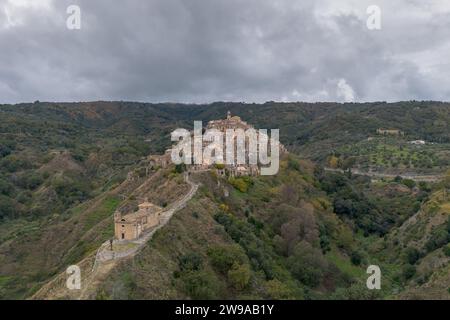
{"x":233,"y":50}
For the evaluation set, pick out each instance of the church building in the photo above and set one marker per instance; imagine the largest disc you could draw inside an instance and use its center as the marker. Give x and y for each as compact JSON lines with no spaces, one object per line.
{"x":131,"y":226}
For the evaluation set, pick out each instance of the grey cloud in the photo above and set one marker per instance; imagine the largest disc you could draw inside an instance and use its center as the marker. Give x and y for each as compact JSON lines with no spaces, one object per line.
{"x":208,"y":50}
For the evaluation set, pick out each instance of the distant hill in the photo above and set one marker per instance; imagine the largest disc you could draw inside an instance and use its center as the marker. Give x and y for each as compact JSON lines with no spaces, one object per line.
{"x":310,"y":128}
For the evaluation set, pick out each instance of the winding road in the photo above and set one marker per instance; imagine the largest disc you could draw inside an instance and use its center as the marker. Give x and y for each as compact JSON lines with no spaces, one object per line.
{"x":105,"y":254}
{"x":105,"y":259}
{"x":412,"y":176}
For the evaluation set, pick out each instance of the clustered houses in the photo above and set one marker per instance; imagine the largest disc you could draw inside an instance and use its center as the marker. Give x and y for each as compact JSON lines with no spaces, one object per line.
{"x":232,"y":170}
{"x":130,"y":226}
{"x":231,"y":122}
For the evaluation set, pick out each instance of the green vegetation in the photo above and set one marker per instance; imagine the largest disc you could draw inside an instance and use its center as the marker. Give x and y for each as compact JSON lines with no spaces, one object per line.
{"x":374,"y":208}
{"x":242,"y":184}
{"x":302,"y":234}
{"x":106,"y":209}
{"x":392,"y":153}
{"x":285,"y":238}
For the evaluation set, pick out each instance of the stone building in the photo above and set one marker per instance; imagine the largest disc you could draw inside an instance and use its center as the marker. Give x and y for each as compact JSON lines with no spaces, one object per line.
{"x":392,"y":132}
{"x":132,"y":225}
{"x":231,"y":122}
{"x":162,"y":161}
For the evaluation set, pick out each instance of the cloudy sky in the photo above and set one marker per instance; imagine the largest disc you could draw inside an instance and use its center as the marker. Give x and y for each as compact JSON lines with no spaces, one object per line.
{"x":233,"y":50}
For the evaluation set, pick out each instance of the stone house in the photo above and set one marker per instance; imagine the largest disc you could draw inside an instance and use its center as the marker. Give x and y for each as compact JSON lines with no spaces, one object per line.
{"x":392,"y":132}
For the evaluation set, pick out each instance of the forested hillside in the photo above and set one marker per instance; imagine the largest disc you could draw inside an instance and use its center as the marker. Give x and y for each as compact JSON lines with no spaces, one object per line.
{"x":305,"y":233}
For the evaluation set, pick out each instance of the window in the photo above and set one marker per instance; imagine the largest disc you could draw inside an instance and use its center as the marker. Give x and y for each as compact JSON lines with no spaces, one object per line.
{"x":123,"y":235}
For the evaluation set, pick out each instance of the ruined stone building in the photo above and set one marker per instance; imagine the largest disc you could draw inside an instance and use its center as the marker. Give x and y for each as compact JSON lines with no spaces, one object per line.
{"x":162,"y":161}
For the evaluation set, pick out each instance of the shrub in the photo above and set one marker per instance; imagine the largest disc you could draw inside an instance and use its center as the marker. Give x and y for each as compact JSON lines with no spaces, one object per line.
{"x":190,"y":261}
{"x":439,"y":238}
{"x":278,"y":290}
{"x":5,"y":188}
{"x":31,"y":180}
{"x":240,"y":184}
{"x":409,"y":183}
{"x":356,"y":258}
{"x":6,"y":207}
{"x":13,"y":163}
{"x":409,"y":271}
{"x":180,"y":168}
{"x":6,"y":148}
{"x":201,"y":284}
{"x":71,"y":190}
{"x":447,"y":250}
{"x":412,"y":255}
{"x":293,"y":164}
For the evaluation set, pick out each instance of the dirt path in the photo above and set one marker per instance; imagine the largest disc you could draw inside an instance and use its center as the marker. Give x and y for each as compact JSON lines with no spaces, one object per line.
{"x":106,"y":259}
{"x":94,"y":270}
{"x":130,"y":248}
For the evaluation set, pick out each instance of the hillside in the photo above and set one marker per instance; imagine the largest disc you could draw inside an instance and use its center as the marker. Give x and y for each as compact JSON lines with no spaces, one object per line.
{"x":307,"y":128}
{"x":279,"y":239}
{"x":245,"y":248}
{"x":303,"y":234}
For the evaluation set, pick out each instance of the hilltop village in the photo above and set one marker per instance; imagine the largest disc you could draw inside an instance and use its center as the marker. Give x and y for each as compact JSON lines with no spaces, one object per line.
{"x":132,"y":225}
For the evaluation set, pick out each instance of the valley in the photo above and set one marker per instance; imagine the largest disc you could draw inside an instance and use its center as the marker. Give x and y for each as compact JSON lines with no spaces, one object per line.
{"x":308,"y":232}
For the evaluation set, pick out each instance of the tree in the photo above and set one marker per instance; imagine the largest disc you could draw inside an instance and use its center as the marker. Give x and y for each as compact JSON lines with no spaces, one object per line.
{"x":219,"y":166}
{"x":439,"y":238}
{"x":239,"y":276}
{"x":356,"y":258}
{"x":412,"y":255}
{"x":333,"y":162}
{"x":240,"y":183}
{"x":447,"y":250}
{"x":7,"y":207}
{"x":5,"y":187}
{"x":180,"y":168}
{"x":302,"y":227}
{"x":307,"y":264}
{"x":409,"y":271}
{"x":223,"y":257}
{"x":409,"y":183}
{"x":191,"y":261}
{"x":201,"y":284}
{"x":278,"y":290}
